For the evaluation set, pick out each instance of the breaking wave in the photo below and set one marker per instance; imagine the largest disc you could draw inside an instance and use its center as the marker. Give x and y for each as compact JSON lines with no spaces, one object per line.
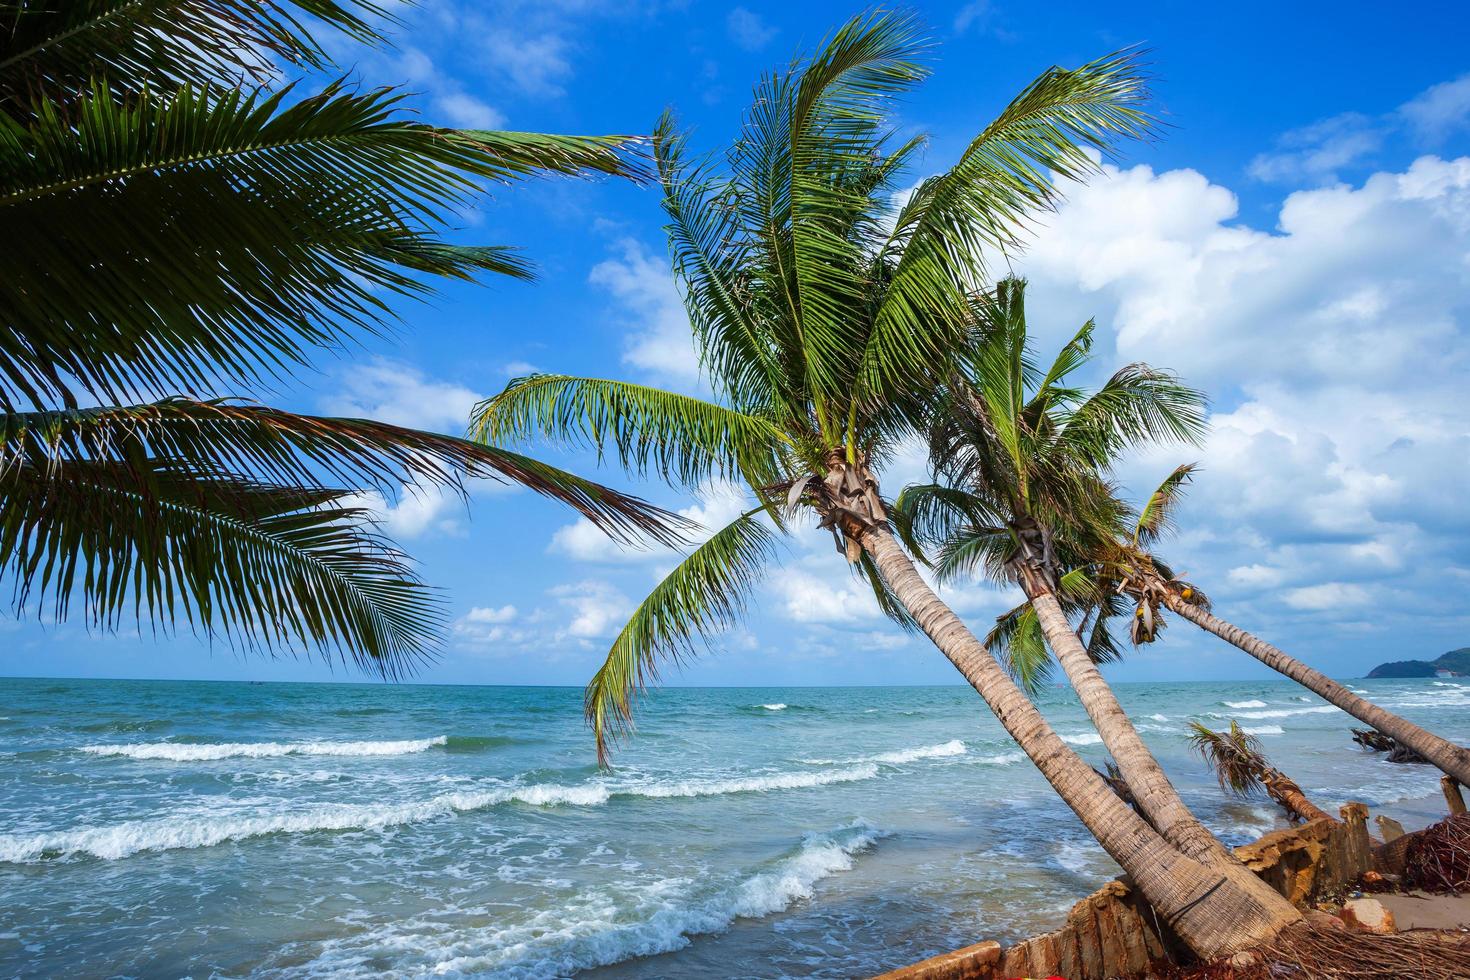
{"x":1266,"y":730}
{"x":778,"y":706}
{"x":592,"y":933}
{"x":1285,"y":712}
{"x":1244,"y":704}
{"x":1086,"y":738}
{"x":206,"y":830}
{"x":189,"y":752}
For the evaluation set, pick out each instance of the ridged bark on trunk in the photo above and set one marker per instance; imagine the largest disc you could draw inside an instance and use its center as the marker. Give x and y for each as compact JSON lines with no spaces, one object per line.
{"x":1449,"y":757}
{"x":1155,"y":795}
{"x":1207,"y":908}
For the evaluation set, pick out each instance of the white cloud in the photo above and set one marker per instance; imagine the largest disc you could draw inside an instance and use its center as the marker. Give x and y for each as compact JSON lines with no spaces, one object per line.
{"x":413,"y":67}
{"x":1335,"y":346}
{"x":1316,"y":152}
{"x":1440,"y":110}
{"x":1328,"y":596}
{"x":807,"y":598}
{"x":401,"y":394}
{"x":598,"y":609}
{"x":416,"y":511}
{"x":660,"y":339}
{"x":491,"y":614}
{"x":491,"y":628}
{"x":537,"y":65}
{"x":748,"y":29}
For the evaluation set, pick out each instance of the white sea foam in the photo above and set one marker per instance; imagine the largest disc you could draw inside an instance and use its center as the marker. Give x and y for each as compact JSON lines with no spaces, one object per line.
{"x":1003,"y":759}
{"x":1159,"y":717}
{"x":211,"y":752}
{"x":593,"y":930}
{"x":778,"y":706}
{"x":942,"y":750}
{"x":206,"y":830}
{"x":747,"y":784}
{"x":899,"y":756}
{"x":1286,"y":712}
{"x":1445,"y":684}
{"x":1266,"y":730}
{"x":1244,"y":704}
{"x":1086,"y":738}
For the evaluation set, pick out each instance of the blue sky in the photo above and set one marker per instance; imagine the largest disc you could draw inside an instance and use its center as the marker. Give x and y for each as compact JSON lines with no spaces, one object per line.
{"x":1298,"y":245}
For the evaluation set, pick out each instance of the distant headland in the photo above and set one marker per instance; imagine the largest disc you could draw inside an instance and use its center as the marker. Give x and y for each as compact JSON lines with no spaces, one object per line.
{"x":1456,"y":663}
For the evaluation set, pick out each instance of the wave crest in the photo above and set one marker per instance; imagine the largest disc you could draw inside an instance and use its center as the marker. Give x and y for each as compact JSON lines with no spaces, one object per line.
{"x":212,"y":752}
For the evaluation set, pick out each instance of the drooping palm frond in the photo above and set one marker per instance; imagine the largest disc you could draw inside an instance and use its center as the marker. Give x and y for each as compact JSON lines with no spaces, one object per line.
{"x":678,"y":437}
{"x":269,"y":446}
{"x":1018,"y":643}
{"x":52,"y":49}
{"x":1137,"y":404}
{"x":1157,"y":516}
{"x":304,"y":220}
{"x":703,"y":596}
{"x":270,"y":567}
{"x":1235,"y":755}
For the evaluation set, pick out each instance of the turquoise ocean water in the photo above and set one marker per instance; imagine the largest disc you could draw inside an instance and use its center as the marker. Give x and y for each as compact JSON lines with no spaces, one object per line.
{"x":167,"y":829}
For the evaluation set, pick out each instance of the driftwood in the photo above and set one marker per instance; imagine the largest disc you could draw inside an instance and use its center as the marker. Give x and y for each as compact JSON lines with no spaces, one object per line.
{"x":1376,"y":741}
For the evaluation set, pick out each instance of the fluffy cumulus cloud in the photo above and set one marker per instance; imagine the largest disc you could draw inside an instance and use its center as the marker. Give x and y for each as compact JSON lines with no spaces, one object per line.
{"x":401,"y":394}
{"x":659,"y":340}
{"x":1335,"y":345}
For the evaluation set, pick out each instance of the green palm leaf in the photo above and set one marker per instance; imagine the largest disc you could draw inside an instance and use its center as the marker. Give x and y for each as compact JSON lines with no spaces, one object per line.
{"x":51,"y":50}
{"x":304,"y":219}
{"x":268,"y":446}
{"x":274,"y":568}
{"x":704,"y":595}
{"x":677,"y":436}
{"x":1157,"y":517}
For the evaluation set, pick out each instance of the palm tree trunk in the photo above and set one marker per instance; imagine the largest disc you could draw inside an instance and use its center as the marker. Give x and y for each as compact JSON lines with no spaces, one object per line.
{"x":1156,"y":796}
{"x":1289,"y":796}
{"x":1449,"y":757}
{"x":1209,"y":910}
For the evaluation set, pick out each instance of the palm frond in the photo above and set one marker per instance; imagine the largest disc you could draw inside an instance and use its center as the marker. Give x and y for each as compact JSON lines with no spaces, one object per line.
{"x":273,"y":568}
{"x":1012,"y":170}
{"x":1137,"y":404}
{"x":305,"y":220}
{"x":677,"y":436}
{"x":1157,"y":517}
{"x":1019,"y":643}
{"x":704,"y":595}
{"x":268,"y":446}
{"x":1235,"y":755}
{"x":50,"y":51}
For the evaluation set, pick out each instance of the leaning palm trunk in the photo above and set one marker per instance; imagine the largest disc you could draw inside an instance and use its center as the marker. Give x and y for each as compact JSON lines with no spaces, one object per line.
{"x":1289,"y":796}
{"x":1156,"y":796}
{"x":1211,"y":911}
{"x":1449,"y":757}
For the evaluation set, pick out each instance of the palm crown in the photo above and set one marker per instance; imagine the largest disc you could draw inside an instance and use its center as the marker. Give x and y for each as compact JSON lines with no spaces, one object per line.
{"x":1025,"y":461}
{"x":824,"y":312}
{"x":171,"y":235}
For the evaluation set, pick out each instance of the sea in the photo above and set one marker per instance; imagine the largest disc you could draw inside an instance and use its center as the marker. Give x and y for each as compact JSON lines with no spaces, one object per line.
{"x":186,"y":829}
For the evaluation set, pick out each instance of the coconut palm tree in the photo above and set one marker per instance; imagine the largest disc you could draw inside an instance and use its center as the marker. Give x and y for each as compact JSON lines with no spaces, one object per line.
{"x":1023,"y":457}
{"x":1134,"y":569}
{"x":178,"y":225}
{"x":1242,"y":769}
{"x":826,"y":314}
